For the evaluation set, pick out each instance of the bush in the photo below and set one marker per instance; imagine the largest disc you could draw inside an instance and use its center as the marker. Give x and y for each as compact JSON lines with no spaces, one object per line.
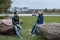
{"x":2,"y":17}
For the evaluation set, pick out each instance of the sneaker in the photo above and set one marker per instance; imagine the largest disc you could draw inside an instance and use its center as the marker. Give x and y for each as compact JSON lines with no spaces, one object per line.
{"x":20,"y":37}
{"x":33,"y":35}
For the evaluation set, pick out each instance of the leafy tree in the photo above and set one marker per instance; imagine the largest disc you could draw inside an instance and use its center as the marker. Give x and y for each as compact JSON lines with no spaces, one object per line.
{"x":46,"y":10}
{"x":5,"y":5}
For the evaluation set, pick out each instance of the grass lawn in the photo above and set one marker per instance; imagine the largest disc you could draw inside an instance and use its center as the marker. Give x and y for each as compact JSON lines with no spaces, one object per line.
{"x":28,"y":22}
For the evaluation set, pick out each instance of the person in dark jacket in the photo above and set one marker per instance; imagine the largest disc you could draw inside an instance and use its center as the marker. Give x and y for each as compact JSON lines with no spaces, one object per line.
{"x":16,"y":25}
{"x":40,"y":17}
{"x":38,"y":22}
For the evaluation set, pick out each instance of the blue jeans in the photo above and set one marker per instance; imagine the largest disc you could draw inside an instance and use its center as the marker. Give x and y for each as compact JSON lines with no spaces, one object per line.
{"x":34,"y":29}
{"x":18,"y":30}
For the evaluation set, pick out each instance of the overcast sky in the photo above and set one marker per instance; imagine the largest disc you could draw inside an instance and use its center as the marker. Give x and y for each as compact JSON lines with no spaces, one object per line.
{"x":36,"y":4}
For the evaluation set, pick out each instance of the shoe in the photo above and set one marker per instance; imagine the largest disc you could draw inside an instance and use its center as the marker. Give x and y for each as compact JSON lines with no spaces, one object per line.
{"x":33,"y":35}
{"x":20,"y":37}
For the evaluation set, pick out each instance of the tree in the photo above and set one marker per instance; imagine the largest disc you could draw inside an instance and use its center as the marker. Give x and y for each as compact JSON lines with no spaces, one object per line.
{"x":16,"y":9}
{"x":55,"y":10}
{"x":5,"y":5}
{"x":46,"y":10}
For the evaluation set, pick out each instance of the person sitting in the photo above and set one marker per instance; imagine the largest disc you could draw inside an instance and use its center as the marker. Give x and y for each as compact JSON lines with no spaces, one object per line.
{"x":16,"y":25}
{"x":38,"y":22}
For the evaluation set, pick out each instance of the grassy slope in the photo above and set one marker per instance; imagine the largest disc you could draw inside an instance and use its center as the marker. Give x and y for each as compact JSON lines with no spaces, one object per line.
{"x":28,"y":22}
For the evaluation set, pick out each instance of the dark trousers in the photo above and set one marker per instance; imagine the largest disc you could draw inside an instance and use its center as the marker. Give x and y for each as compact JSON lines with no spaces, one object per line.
{"x":34,"y":29}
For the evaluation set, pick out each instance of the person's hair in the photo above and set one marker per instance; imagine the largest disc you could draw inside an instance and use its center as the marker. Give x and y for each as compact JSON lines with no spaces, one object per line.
{"x":15,"y":12}
{"x":39,"y":10}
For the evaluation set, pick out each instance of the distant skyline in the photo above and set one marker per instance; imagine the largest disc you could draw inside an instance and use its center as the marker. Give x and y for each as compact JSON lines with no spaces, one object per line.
{"x":36,"y":4}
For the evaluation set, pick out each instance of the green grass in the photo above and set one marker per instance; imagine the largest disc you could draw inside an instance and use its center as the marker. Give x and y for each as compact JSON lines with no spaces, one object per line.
{"x":28,"y":22}
{"x":52,"y":19}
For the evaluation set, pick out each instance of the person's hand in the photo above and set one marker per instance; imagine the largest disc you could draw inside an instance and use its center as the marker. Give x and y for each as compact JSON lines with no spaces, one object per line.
{"x":18,"y":25}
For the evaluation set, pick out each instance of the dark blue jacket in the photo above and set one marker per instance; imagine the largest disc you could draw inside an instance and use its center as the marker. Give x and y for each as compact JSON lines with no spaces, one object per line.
{"x":15,"y":20}
{"x":40,"y":19}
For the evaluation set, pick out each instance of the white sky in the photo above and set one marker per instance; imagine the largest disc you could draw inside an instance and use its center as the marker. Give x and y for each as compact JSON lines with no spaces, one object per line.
{"x":36,"y":4}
